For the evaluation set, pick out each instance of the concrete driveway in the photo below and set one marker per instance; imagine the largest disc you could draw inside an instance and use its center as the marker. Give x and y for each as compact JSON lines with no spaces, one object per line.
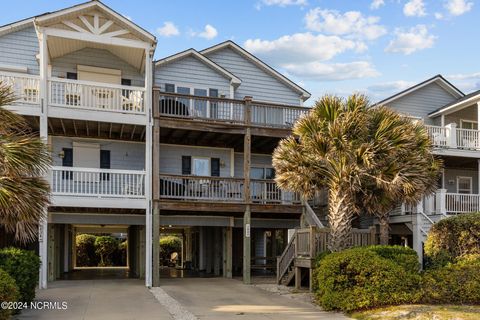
{"x":99,"y":299}
{"x":218,"y":298}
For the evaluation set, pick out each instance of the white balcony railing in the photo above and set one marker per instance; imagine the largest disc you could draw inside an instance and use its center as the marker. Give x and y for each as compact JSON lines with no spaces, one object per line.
{"x":96,"y":96}
{"x":271,"y":115}
{"x":461,"y":203}
{"x":267,"y":191}
{"x":26,"y":88}
{"x":452,"y":137}
{"x":92,"y":182}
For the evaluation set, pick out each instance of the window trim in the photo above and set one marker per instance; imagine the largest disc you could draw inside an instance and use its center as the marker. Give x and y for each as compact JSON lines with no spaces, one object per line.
{"x":470,"y":179}
{"x":462,"y":121}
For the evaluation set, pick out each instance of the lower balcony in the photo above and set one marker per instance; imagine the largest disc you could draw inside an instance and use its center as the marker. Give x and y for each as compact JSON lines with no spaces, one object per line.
{"x":98,"y":188}
{"x":222,"y":189}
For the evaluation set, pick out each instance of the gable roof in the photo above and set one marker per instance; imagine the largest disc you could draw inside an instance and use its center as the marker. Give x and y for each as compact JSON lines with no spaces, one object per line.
{"x":439,"y":79}
{"x":194,"y":53}
{"x":232,"y":45}
{"x":18,"y":25}
{"x":465,"y":100}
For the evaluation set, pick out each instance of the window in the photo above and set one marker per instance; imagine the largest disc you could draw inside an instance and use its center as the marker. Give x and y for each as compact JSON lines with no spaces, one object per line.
{"x":105,"y":163}
{"x":262,"y":173}
{"x":67,"y":161}
{"x":169,"y":87}
{"x":468,"y":124}
{"x":201,"y":167}
{"x":464,"y":185}
{"x":72,"y":76}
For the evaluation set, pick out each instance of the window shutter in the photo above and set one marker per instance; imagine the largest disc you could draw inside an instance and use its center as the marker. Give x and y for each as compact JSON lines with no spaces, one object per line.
{"x":186,"y":165}
{"x":215,"y":167}
{"x":169,"y":87}
{"x":105,"y":163}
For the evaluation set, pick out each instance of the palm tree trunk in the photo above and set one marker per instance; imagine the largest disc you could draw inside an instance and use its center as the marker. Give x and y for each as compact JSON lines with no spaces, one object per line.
{"x":384,"y":229}
{"x":340,"y":216}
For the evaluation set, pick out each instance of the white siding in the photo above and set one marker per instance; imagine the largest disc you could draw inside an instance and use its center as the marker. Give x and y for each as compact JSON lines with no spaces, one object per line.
{"x":422,"y":101}
{"x":257,"y":160}
{"x":193,"y":73}
{"x":123,"y":155}
{"x":20,"y":49}
{"x":96,"y":58}
{"x":255,"y":81}
{"x":171,"y":157}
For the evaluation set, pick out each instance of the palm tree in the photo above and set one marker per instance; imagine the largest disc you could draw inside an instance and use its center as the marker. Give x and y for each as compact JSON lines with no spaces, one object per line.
{"x":369,"y":159}
{"x":327,"y":150}
{"x":405,"y":169}
{"x":24,"y":161}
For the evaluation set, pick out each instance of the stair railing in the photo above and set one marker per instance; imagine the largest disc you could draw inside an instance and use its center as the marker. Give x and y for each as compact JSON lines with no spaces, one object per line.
{"x":310,"y":215}
{"x":286,"y":259}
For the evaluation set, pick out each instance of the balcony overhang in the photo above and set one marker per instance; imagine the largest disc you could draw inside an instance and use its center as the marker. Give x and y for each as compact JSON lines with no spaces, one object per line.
{"x":469,"y":100}
{"x":93,"y":24}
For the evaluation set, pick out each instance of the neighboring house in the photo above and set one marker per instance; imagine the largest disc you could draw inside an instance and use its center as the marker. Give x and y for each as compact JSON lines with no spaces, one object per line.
{"x":86,"y":82}
{"x":451,"y":119}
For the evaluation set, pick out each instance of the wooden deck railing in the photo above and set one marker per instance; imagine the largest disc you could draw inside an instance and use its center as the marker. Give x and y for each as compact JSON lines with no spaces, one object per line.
{"x":26,"y":87}
{"x":228,"y":110}
{"x":96,"y":96}
{"x":93,"y":182}
{"x":267,"y":191}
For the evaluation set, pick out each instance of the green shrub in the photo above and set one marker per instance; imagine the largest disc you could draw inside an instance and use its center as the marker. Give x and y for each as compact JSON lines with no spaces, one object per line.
{"x":455,"y":283}
{"x":23,"y":266}
{"x":85,"y":247}
{"x":451,"y":238}
{"x":169,"y":245}
{"x":360,"y":278}
{"x":8,"y":293}
{"x":403,"y":256}
{"x":105,"y":247}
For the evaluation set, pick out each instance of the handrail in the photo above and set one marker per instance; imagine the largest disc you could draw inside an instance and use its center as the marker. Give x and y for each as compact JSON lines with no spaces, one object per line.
{"x":286,"y":259}
{"x":97,"y":170}
{"x":311,"y":216}
{"x":19,"y":74}
{"x":96,"y":84}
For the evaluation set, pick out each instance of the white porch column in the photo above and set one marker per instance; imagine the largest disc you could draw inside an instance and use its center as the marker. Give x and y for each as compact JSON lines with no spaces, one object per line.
{"x":440,"y":201}
{"x":451,"y":135}
{"x":417,"y":236}
{"x":442,"y":120}
{"x":148,"y":166}
{"x":43,"y":225}
{"x":478,"y":175}
{"x":429,"y":204}
{"x":478,"y":113}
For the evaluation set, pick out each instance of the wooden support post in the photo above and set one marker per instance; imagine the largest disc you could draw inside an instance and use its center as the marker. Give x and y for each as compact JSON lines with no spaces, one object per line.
{"x":247,"y":254}
{"x":217,"y":251}
{"x":156,"y":192}
{"x":298,"y":277}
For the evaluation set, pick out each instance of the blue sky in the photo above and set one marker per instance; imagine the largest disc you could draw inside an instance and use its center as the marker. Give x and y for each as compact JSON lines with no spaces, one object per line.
{"x":378,"y":47}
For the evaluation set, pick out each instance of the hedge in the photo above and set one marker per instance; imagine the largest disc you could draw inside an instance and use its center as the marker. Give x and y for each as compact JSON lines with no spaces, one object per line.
{"x":452,"y":238}
{"x":23,"y":266}
{"x":8,"y":293}
{"x":85,"y":244}
{"x":455,"y":283}
{"x":105,"y":246}
{"x":360,"y":278}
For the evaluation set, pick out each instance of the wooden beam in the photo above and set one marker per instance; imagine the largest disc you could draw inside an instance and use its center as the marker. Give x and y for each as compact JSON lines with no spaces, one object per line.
{"x":63,"y":127}
{"x":105,"y":26}
{"x":247,"y":253}
{"x":121,"y":130}
{"x":133,"y":132}
{"x":110,"y":131}
{"x":203,"y":126}
{"x":50,"y":126}
{"x":98,"y":128}
{"x":87,"y":129}
{"x":142,"y":135}
{"x":75,"y":128}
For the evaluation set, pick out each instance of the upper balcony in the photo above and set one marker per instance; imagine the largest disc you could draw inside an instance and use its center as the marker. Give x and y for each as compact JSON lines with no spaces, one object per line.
{"x":464,"y":142}
{"x":26,"y":88}
{"x":226,"y":111}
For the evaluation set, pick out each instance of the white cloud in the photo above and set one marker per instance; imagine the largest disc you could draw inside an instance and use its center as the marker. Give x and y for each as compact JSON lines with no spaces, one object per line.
{"x":320,"y":71}
{"x":411,"y":40}
{"x":414,"y":8}
{"x":466,"y":81}
{"x":376,"y":4}
{"x":168,"y":30}
{"x":284,"y":3}
{"x":438,"y":15}
{"x":209,"y":32}
{"x":301,"y":47}
{"x":350,"y":23}
{"x":458,"y":7}
{"x":392,"y":86}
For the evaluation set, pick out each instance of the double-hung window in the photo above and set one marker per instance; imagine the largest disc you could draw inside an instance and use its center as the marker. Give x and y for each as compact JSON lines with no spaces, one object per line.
{"x":464,"y":185}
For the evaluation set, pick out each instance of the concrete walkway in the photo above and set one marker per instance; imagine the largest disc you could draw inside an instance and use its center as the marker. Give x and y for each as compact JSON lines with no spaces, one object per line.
{"x":218,"y":298}
{"x":99,"y":299}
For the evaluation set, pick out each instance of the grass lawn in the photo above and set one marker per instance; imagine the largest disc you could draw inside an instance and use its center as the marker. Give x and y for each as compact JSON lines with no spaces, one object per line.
{"x":421,"y":312}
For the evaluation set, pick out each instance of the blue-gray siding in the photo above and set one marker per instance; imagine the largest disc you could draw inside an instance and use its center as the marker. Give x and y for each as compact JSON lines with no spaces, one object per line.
{"x":422,"y":101}
{"x":123,"y":155}
{"x":257,"y":160}
{"x":20,"y":49}
{"x":255,"y":81}
{"x":193,"y":73}
{"x":96,"y":58}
